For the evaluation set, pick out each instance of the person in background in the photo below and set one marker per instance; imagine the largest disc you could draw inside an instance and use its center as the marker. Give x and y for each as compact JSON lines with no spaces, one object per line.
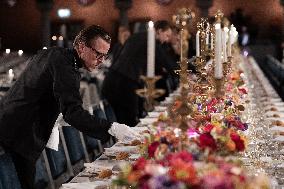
{"x":48,"y":86}
{"x":244,"y":37}
{"x":123,"y":35}
{"x":123,"y":78}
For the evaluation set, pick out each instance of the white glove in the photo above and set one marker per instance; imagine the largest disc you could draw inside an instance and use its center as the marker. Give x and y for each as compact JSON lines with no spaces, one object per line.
{"x":123,"y":132}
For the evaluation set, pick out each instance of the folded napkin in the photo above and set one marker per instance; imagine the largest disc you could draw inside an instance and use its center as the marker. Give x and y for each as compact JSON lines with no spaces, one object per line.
{"x":54,"y":138}
{"x":53,"y":141}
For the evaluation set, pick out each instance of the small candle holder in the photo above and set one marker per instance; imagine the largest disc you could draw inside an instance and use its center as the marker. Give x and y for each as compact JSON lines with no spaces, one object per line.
{"x":227,"y":66}
{"x":184,"y":111}
{"x":219,"y":91}
{"x":150,"y":92}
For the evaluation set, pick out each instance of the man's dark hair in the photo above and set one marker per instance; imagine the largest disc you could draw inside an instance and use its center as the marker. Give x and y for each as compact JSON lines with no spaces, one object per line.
{"x":90,"y":33}
{"x":162,"y":25}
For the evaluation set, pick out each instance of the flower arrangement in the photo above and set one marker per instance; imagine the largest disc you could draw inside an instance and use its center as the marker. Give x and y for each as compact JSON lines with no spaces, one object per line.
{"x":180,"y":171}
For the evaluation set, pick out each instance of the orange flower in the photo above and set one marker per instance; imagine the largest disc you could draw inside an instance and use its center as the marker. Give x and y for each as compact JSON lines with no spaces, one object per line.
{"x":231,"y":145}
{"x":134,"y":176}
{"x":183,"y":171}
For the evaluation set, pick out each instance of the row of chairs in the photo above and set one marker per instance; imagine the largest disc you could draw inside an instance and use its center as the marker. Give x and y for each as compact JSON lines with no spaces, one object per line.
{"x":274,"y":70}
{"x":75,"y":148}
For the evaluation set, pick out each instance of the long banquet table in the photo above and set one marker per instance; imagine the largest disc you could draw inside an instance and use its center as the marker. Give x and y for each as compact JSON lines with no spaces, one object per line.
{"x":265,"y":151}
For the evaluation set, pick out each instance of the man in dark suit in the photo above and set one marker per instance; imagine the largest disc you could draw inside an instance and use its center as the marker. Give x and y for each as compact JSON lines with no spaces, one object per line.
{"x":123,"y":77}
{"x":50,"y":85}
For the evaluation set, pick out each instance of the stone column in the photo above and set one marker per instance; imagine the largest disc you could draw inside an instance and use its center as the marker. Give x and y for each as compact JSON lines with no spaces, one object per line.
{"x":45,"y":7}
{"x":123,"y":6}
{"x":204,"y":6}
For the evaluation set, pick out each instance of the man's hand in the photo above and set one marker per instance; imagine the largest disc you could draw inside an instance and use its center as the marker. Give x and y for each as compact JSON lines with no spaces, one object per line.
{"x":123,"y":132}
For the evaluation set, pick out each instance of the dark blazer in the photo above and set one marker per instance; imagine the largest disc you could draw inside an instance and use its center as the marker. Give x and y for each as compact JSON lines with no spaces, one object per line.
{"x":123,"y":77}
{"x":49,"y":85}
{"x":132,"y":60}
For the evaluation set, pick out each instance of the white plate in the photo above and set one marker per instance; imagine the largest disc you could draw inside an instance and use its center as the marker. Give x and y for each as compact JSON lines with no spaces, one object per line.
{"x":272,"y":113}
{"x":85,"y":185}
{"x":275,"y":100}
{"x":277,"y":128}
{"x":148,"y":121}
{"x":277,"y":108}
{"x":279,"y":139}
{"x":154,"y":114}
{"x":169,"y":99}
{"x":160,"y":108}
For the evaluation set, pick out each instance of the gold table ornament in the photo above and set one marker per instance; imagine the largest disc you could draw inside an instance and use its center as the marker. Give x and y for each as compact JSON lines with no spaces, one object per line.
{"x":150,"y":93}
{"x":183,"y":113}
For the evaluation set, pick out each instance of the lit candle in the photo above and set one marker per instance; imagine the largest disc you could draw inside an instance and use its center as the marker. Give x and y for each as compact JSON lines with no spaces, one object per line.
{"x":20,"y":52}
{"x":10,"y":75}
{"x":197,"y":45}
{"x":60,"y":42}
{"x":218,"y":71}
{"x":151,"y":50}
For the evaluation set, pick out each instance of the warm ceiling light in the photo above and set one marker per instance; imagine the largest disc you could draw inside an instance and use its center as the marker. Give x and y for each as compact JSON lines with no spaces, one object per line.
{"x":20,"y":52}
{"x":63,"y":13}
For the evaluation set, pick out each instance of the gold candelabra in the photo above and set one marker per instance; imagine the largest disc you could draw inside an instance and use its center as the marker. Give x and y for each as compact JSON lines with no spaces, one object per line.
{"x":150,"y":93}
{"x":227,"y":64}
{"x":202,"y":86}
{"x":184,"y":111}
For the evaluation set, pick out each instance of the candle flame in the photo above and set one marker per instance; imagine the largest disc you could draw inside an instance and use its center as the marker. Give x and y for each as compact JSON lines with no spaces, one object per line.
{"x":151,"y":24}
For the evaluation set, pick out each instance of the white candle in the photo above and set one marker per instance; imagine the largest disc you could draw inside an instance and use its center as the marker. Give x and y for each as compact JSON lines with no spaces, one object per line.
{"x":10,"y":75}
{"x":151,"y":50}
{"x":230,"y":42}
{"x":218,"y":71}
{"x":197,"y":45}
{"x":60,"y":42}
{"x":207,"y":39}
{"x":212,"y":41}
{"x":224,"y":40}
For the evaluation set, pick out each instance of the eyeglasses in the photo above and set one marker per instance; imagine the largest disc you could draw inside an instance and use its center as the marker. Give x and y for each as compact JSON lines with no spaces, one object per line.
{"x":99,"y":55}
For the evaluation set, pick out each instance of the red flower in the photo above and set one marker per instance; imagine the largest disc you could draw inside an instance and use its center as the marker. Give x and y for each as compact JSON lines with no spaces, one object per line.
{"x":152,"y":148}
{"x":206,"y":140}
{"x":240,"y":145}
{"x":208,"y":127}
{"x":183,"y":155}
{"x":140,"y":164}
{"x":243,"y":90}
{"x":234,"y":136}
